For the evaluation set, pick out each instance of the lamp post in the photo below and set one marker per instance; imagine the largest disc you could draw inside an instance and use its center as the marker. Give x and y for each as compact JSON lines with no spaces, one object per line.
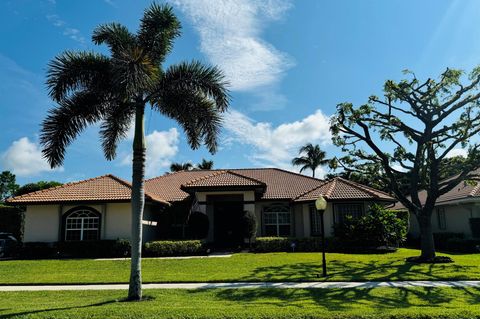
{"x":321,"y":205}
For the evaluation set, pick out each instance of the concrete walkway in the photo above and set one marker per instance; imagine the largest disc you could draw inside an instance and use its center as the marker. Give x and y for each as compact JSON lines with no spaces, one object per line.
{"x":250,"y":285}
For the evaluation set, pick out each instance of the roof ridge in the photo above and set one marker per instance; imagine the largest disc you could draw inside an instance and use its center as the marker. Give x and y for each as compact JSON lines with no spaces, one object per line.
{"x":297,"y":174}
{"x":474,"y":190}
{"x":246,"y":177}
{"x":368,"y":189}
{"x":201,"y":178}
{"x":129,"y":185}
{"x":331,"y":188}
{"x":311,"y":190}
{"x":58,"y":187}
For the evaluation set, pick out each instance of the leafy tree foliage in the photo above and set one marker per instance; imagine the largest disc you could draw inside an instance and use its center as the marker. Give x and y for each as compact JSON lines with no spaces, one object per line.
{"x":249,"y":225}
{"x":423,"y":121}
{"x":177,"y":167}
{"x":115,"y":89}
{"x":8,"y":185}
{"x":33,"y":187}
{"x":378,"y":227}
{"x":205,"y":164}
{"x":311,"y":158}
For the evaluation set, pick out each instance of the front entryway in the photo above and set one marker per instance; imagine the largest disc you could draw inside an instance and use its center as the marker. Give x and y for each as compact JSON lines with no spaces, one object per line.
{"x":227,"y":222}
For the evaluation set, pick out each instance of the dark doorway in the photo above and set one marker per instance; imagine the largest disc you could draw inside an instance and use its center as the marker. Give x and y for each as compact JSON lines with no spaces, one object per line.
{"x":227,"y":220}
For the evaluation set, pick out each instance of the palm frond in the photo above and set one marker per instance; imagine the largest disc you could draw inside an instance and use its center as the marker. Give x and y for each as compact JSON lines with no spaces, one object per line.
{"x":158,"y":29}
{"x":117,"y":121}
{"x":197,"y":114}
{"x":66,"y":121}
{"x":199,"y":78}
{"x":115,"y":35}
{"x":72,"y":71}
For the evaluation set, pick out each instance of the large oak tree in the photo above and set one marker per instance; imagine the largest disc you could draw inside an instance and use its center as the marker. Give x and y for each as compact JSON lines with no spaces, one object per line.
{"x":408,"y":133}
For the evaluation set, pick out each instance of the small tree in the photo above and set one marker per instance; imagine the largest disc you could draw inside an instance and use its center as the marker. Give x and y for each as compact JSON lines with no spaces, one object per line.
{"x":8,"y":185}
{"x":423,"y":122}
{"x":198,"y":225}
{"x":249,"y":226}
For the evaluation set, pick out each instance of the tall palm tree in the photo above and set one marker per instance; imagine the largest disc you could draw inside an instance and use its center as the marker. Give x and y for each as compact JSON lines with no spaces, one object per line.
{"x":115,"y":90}
{"x":205,"y":164}
{"x":177,"y":167}
{"x":311,"y":157}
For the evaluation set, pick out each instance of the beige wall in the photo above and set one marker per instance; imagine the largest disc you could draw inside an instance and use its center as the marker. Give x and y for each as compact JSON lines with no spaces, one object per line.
{"x":42,"y":222}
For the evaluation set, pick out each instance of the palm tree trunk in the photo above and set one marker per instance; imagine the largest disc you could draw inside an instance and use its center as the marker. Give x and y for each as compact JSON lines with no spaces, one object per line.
{"x":138,"y":202}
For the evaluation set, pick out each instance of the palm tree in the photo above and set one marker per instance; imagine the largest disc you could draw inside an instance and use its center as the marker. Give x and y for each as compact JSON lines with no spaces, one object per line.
{"x":312,"y":158}
{"x":177,"y":167}
{"x":205,"y":164}
{"x":114,"y":90}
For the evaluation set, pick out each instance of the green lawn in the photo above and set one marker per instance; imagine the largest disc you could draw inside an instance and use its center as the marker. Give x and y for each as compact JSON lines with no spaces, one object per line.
{"x":247,"y":303}
{"x":242,"y":267}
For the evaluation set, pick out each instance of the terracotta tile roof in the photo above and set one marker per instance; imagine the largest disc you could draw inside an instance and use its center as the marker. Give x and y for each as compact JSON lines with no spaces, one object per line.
{"x":280,"y":184}
{"x":103,"y":188}
{"x":339,"y":189}
{"x":463,"y":191}
{"x":223,"y":179}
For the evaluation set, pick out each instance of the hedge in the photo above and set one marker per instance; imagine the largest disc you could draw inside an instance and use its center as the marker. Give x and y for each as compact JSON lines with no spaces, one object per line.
{"x":166,"y":248}
{"x":287,"y":244}
{"x":76,"y":249}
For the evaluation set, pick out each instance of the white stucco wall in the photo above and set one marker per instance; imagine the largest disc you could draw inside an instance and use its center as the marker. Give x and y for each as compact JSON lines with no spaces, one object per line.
{"x":41,"y":223}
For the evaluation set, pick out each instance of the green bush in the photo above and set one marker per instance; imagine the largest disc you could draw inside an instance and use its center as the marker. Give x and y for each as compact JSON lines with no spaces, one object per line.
{"x":441,"y":239}
{"x":460,"y":245}
{"x":272,"y":244}
{"x":167,"y":248}
{"x":76,"y":249}
{"x":379,"y":227}
{"x":198,"y":225}
{"x":11,"y":221}
{"x":248,"y":225}
{"x":94,"y":249}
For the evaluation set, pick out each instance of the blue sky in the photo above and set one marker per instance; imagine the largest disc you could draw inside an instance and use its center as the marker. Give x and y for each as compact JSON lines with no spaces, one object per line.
{"x":289,"y":63}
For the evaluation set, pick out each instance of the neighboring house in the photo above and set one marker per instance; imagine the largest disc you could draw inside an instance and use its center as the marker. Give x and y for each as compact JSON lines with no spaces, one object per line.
{"x":457,"y":211}
{"x":283,"y":202}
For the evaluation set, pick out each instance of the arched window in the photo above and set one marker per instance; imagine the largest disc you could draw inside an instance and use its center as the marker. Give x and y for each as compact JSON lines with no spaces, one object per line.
{"x":277,"y":220}
{"x":82,"y":224}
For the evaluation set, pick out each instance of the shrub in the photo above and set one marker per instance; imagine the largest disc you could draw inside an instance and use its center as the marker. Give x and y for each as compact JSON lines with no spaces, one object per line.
{"x":38,"y":250}
{"x":460,"y":245}
{"x":378,"y":227}
{"x":11,"y":221}
{"x":198,"y":225}
{"x":441,"y":239}
{"x":248,"y":225}
{"x":272,"y":244}
{"x":167,"y":248}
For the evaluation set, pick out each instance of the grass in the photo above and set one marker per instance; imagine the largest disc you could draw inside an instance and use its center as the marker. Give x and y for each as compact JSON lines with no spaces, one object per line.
{"x":247,"y":303}
{"x":242,"y":267}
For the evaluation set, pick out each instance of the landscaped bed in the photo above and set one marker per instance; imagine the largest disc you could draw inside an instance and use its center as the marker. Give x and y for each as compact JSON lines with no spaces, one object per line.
{"x":247,"y":303}
{"x":242,"y":267}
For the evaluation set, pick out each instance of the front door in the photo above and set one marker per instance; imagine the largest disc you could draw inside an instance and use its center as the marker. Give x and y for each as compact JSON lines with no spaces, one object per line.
{"x":227,"y":223}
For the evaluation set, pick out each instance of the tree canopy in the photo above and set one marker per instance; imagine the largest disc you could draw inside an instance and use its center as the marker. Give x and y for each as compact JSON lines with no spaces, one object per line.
{"x":408,"y":133}
{"x":311,"y":157}
{"x":8,"y":185}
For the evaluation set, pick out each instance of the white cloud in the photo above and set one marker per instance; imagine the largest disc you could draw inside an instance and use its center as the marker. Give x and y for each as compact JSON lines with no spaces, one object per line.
{"x":24,"y":158}
{"x":457,"y":152}
{"x":277,"y":145}
{"x":72,"y":33}
{"x":161,"y":148}
{"x":230,"y":37}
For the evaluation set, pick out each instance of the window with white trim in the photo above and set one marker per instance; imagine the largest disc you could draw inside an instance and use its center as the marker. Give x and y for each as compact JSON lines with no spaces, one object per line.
{"x":315,"y":225}
{"x":442,"y":220}
{"x":343,"y":210}
{"x":82,"y":224}
{"x":277,"y":220}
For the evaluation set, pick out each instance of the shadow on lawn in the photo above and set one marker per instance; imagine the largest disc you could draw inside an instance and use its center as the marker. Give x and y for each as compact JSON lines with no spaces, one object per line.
{"x":341,"y":270}
{"x":346,"y":299}
{"x":25,"y":313}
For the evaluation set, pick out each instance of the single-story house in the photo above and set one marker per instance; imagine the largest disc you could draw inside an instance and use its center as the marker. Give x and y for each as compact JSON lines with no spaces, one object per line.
{"x":283,"y":202}
{"x":457,"y":211}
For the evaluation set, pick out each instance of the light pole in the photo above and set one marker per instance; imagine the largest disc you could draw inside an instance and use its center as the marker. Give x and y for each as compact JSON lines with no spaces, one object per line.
{"x":321,"y":205}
